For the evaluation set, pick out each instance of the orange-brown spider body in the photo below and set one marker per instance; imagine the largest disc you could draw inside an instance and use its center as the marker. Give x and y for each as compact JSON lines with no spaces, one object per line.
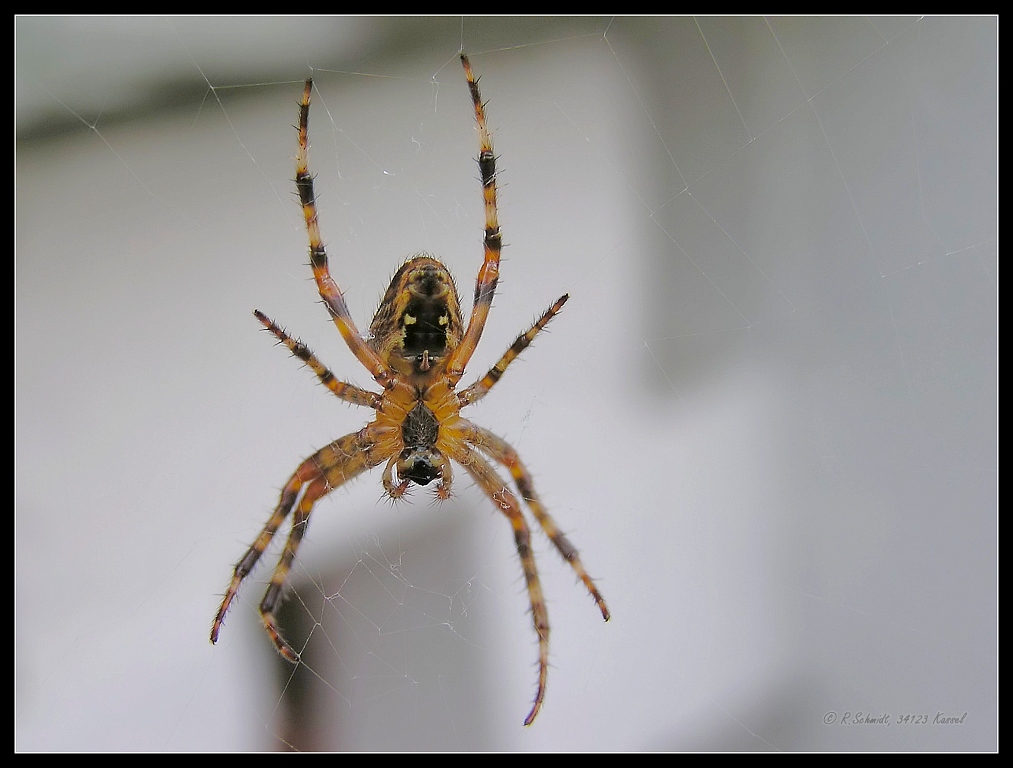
{"x":417,"y":350}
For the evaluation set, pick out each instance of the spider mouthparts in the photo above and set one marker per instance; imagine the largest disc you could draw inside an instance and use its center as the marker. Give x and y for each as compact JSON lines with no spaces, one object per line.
{"x":421,"y":472}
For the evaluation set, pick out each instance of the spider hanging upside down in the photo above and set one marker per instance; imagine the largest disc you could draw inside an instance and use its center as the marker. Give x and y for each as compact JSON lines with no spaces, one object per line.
{"x":417,"y":350}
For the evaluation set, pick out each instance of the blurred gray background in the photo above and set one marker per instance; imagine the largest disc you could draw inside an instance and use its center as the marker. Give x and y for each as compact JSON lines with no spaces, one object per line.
{"x":767,"y":416}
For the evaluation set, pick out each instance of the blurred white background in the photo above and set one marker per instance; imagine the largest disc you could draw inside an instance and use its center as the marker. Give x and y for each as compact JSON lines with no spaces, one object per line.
{"x":767,"y":416}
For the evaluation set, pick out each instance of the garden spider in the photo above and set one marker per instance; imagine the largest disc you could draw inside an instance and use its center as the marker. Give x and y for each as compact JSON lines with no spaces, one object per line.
{"x":416,"y":350}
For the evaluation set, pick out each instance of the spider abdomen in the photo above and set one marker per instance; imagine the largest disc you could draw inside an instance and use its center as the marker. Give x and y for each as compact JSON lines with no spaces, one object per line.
{"x":425,"y":322}
{"x":419,"y":320}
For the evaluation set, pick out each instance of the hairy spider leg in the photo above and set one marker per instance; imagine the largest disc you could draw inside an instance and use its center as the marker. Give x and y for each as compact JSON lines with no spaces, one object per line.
{"x":307,"y":472}
{"x":329,"y":290}
{"x":488,"y":273}
{"x":327,"y":469}
{"x":504,"y":499}
{"x":272,"y":598}
{"x":481,"y":388}
{"x":500,"y":450}
{"x":347,"y":392}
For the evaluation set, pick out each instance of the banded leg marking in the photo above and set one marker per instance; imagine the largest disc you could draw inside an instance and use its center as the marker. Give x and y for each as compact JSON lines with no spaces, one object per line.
{"x":481,"y":388}
{"x":307,"y":471}
{"x":347,"y":392}
{"x":488,"y":274}
{"x":500,"y":450}
{"x":329,"y":290}
{"x":496,"y":489}
{"x":272,"y":598}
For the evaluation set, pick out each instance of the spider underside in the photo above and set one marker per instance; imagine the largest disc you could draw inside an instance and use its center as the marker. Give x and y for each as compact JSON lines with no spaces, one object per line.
{"x":416,"y":351}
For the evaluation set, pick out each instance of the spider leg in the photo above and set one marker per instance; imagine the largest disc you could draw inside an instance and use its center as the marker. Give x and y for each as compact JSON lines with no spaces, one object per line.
{"x":329,"y":290}
{"x":500,"y":450}
{"x":504,"y":499}
{"x":481,"y":388}
{"x":272,"y":598}
{"x":324,"y":471}
{"x":347,"y":392}
{"x":307,"y":471}
{"x":488,"y":274}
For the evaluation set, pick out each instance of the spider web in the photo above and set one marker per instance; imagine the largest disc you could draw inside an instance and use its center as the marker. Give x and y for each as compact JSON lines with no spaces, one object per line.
{"x":766,"y":416}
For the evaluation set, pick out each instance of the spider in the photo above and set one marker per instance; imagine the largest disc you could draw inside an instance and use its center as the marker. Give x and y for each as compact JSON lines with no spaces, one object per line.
{"x":416,"y":351}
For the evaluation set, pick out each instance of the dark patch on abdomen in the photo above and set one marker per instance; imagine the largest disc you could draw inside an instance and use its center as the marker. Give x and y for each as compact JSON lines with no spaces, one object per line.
{"x":426,"y":333}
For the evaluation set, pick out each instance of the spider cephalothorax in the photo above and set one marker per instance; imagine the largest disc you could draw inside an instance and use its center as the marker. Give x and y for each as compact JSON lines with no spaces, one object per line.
{"x":416,"y":351}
